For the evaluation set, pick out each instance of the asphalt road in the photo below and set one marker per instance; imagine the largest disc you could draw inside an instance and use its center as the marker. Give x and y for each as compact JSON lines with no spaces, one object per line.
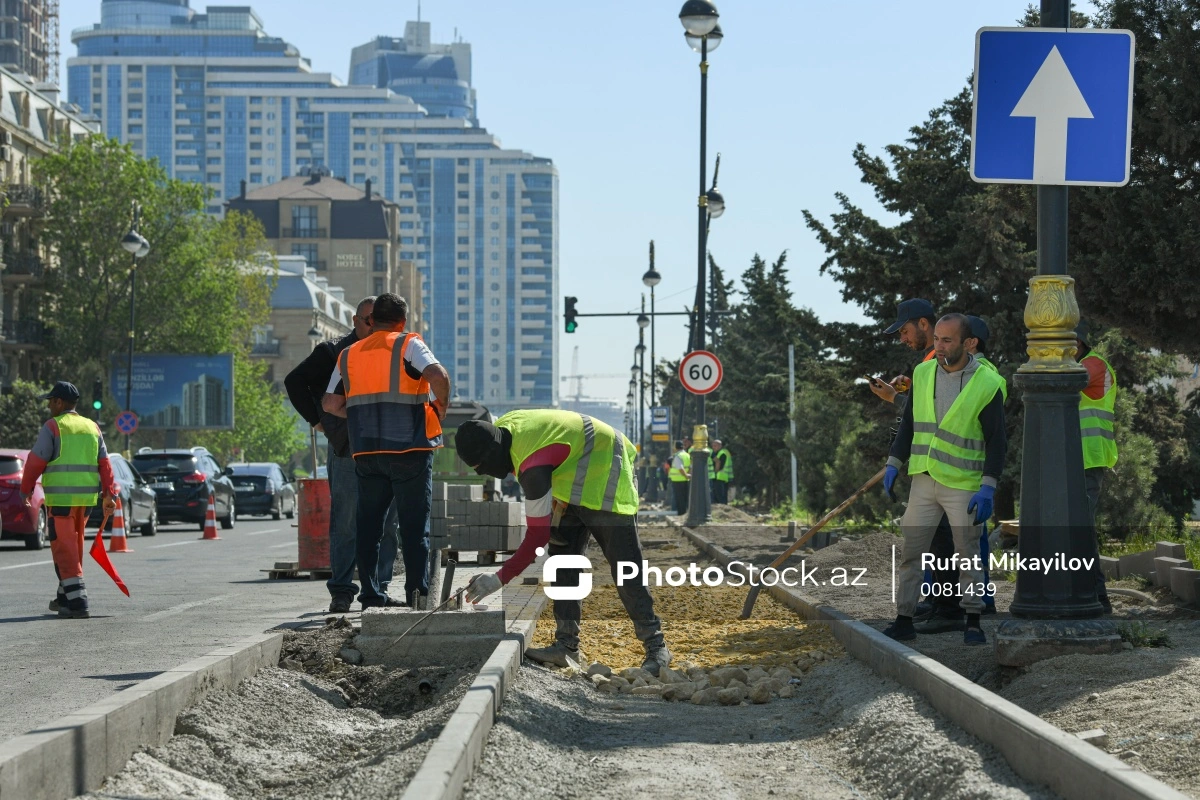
{"x":187,"y":597}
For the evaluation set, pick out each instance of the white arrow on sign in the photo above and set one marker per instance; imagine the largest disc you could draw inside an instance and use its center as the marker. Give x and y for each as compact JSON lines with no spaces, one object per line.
{"x":1051,"y":98}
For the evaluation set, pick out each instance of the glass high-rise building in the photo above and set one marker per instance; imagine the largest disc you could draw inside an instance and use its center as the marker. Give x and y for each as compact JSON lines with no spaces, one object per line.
{"x":218,"y":101}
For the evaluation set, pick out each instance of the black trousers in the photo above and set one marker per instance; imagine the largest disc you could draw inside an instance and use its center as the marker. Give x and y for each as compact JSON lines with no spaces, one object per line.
{"x":680,"y":488}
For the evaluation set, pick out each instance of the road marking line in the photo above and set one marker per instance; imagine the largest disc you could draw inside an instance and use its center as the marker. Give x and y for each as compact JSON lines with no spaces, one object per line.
{"x":30,"y":564}
{"x":173,"y":544}
{"x":285,"y":544}
{"x":179,"y":609}
{"x":268,"y":530}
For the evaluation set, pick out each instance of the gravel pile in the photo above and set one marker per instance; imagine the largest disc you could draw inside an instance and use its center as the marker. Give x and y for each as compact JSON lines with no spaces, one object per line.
{"x":316,"y":727}
{"x":847,"y":733}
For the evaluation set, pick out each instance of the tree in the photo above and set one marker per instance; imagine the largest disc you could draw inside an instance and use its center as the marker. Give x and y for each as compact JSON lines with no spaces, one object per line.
{"x":265,"y":424}
{"x":22,"y":414}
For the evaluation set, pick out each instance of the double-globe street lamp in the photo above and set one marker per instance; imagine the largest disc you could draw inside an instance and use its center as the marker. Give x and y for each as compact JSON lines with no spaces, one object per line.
{"x":137,"y":246}
{"x":702,"y":33}
{"x":651,"y":279}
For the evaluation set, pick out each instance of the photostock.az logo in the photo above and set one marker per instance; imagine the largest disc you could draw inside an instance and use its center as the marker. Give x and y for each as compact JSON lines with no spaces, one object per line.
{"x":550,"y":574}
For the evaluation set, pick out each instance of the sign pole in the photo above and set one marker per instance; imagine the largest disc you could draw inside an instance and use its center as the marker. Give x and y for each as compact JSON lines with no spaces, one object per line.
{"x":792,"y":414}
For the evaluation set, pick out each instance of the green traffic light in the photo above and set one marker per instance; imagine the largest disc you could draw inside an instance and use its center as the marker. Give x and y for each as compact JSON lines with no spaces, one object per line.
{"x":97,"y":404}
{"x":571,"y":326}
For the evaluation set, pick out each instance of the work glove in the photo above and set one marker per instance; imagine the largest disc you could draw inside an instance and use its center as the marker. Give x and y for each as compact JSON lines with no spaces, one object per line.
{"x":889,"y":480}
{"x":981,"y":504}
{"x":481,"y":586}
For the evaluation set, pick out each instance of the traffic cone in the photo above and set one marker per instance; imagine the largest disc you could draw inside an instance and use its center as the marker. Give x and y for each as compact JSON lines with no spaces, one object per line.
{"x":118,"y":542}
{"x":210,"y":520}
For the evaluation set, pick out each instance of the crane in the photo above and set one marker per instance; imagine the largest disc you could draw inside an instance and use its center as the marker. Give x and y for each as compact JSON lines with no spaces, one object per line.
{"x":578,"y":378}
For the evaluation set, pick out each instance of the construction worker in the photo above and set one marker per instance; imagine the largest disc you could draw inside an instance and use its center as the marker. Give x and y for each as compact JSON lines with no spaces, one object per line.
{"x":578,"y":471}
{"x":954,"y":441}
{"x":915,"y":320}
{"x":679,"y":473}
{"x":1097,"y":415}
{"x":395,"y":396}
{"x":306,"y":385}
{"x":72,"y":461}
{"x":722,"y":467}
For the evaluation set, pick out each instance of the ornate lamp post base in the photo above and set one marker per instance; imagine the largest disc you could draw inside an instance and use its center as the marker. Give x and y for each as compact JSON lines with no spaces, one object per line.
{"x":1021,"y":642}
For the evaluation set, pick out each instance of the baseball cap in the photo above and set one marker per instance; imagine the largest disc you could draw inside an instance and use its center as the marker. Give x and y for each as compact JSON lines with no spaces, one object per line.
{"x":908,"y":310}
{"x":474,"y":440}
{"x":63,"y":391}
{"x":979,"y":328}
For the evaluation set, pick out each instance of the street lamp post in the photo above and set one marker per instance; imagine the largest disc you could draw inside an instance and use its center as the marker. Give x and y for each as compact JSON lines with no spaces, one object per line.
{"x":314,"y":338}
{"x":702,"y":33}
{"x":652,"y":278}
{"x":137,"y":246}
{"x":640,"y":351}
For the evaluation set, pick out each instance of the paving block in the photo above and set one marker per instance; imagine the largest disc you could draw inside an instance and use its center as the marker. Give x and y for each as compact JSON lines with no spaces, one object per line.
{"x":1137,"y":564}
{"x":476,"y":493}
{"x":1096,"y":737}
{"x":1183,"y":583}
{"x":516,"y":513}
{"x":1111,"y":567}
{"x":441,"y":491}
{"x":1163,"y":567}
{"x":437,"y":509}
{"x":442,"y":638}
{"x":1169,"y":550}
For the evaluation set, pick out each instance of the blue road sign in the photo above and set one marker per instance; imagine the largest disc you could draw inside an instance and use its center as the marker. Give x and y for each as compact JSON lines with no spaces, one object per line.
{"x":127,"y":422}
{"x":1052,"y":106}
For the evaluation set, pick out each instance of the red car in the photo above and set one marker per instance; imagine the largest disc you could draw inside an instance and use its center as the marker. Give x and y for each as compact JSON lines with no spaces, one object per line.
{"x":16,"y":521}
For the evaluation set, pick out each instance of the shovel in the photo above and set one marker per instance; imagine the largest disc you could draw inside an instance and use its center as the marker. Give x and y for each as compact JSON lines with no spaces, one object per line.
{"x":748,"y":608}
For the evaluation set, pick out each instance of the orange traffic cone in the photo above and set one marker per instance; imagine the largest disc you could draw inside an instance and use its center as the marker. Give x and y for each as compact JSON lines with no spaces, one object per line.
{"x":118,"y":542}
{"x":210,"y":520}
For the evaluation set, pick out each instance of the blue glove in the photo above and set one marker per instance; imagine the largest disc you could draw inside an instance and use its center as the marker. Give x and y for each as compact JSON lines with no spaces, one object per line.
{"x":981,"y":504}
{"x":889,"y":480}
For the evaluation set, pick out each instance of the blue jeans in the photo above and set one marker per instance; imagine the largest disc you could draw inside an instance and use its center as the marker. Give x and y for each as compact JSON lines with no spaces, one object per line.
{"x":343,"y":503}
{"x":407,"y":480}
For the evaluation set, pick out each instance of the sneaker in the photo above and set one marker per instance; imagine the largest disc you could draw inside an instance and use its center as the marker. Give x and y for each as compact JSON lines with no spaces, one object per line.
{"x":557,"y":655}
{"x":900,"y":630}
{"x":656,"y":659}
{"x":940,"y":623}
{"x":923,"y":610}
{"x":974,"y":636}
{"x":340,"y":604}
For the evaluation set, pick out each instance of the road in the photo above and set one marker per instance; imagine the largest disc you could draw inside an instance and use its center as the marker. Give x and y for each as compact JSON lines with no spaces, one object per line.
{"x":188,"y":597}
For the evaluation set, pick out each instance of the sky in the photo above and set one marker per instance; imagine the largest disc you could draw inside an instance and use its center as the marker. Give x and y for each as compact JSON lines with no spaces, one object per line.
{"x":613,"y":98}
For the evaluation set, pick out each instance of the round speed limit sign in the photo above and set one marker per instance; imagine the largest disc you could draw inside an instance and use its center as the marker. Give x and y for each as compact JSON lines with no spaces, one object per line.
{"x":700,"y":372}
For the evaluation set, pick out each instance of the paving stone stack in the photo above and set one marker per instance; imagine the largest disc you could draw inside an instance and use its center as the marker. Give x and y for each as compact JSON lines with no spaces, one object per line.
{"x":461,"y":520}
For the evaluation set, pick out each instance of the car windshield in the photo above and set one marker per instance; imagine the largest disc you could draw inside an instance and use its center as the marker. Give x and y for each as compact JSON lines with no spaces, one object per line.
{"x":10,"y":465}
{"x":164,"y":463}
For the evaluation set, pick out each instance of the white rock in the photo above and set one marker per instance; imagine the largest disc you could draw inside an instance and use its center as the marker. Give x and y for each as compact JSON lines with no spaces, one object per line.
{"x":679,"y":691}
{"x":782,"y":673}
{"x":646,"y":691}
{"x":597,"y":680}
{"x":632,"y":673}
{"x":732,"y":695}
{"x":756,"y":674}
{"x":787,"y":692}
{"x":639,"y":682}
{"x":775,"y":684}
{"x":722,"y":676}
{"x":705,"y":697}
{"x":761,"y":692}
{"x":696,"y":673}
{"x":596,"y":668}
{"x":608,"y":687}
{"x":668,"y":675}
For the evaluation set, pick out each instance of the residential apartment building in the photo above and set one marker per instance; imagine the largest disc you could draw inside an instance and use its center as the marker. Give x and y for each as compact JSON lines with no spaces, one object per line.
{"x":218,"y":101}
{"x":29,"y":38}
{"x":305,"y":310}
{"x":349,"y":236}
{"x":32,"y":123}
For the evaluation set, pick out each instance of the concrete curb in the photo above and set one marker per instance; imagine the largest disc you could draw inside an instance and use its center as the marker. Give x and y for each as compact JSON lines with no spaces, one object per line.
{"x":1035,"y":749}
{"x":458,"y":749}
{"x":74,"y":754}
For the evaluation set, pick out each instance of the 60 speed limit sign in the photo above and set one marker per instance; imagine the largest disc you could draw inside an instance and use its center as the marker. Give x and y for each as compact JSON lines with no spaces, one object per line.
{"x":700,"y":372}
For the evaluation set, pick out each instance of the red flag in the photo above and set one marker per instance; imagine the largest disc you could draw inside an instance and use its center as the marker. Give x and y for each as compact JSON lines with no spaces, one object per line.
{"x":102,"y":558}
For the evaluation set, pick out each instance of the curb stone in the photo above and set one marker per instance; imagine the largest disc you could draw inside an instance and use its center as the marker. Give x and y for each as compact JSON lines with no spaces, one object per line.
{"x":1035,"y":749}
{"x":74,"y":754}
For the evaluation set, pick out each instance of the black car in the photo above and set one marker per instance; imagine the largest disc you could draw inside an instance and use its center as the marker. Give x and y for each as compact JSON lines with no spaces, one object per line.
{"x":139,"y":504}
{"x":262,"y":488}
{"x":183,"y":480}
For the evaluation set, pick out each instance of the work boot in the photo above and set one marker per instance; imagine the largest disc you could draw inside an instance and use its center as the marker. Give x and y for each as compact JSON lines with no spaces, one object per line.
{"x":556,"y":655}
{"x":54,"y":604}
{"x":656,"y":659}
{"x":901,"y":630}
{"x":340,"y":604}
{"x":69,"y":613}
{"x":942,"y":621}
{"x":394,"y":602}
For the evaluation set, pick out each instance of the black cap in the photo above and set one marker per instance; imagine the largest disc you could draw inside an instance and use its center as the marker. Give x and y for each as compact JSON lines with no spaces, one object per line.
{"x":63,"y":391}
{"x":475,"y":439}
{"x":1082,"y":333}
{"x":979,"y":328}
{"x":908,"y":310}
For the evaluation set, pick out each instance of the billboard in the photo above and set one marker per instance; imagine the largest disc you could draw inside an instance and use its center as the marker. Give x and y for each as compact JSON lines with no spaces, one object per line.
{"x":173,"y":392}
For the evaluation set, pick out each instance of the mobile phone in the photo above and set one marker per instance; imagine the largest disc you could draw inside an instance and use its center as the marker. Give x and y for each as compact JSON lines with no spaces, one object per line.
{"x":871,"y":380}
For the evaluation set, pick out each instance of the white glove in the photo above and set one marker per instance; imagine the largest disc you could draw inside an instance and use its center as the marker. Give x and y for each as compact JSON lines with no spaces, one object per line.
{"x":481,"y":586}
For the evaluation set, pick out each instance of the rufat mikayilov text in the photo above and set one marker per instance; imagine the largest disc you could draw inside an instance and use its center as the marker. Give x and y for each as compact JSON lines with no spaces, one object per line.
{"x":1009,"y":562}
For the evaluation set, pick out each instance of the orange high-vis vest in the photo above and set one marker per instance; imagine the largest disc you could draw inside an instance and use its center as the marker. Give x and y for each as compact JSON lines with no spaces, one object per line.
{"x":387,"y":401}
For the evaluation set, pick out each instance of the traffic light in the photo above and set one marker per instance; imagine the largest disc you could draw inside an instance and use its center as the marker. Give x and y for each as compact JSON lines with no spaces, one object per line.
{"x":569,"y":314}
{"x":97,"y":395}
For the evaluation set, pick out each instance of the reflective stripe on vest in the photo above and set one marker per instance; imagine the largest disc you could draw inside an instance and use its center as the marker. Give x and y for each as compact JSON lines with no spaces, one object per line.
{"x":73,"y":479}
{"x":952,"y":452}
{"x":983,"y":361}
{"x":726,"y":473}
{"x":680,"y":475}
{"x":387,"y":410}
{"x":598,"y":472}
{"x":1096,"y":423}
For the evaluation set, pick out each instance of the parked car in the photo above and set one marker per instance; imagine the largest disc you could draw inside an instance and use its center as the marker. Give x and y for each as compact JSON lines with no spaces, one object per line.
{"x":183,"y":480}
{"x":262,"y":488}
{"x":139,"y":503}
{"x":16,"y":521}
